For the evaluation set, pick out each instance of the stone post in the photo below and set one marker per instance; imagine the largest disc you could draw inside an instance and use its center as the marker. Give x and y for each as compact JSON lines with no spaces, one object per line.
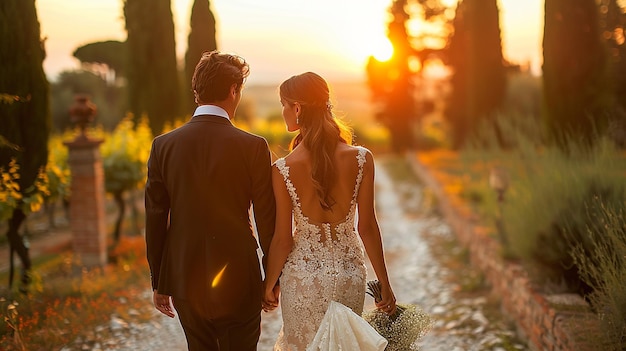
{"x":87,"y":197}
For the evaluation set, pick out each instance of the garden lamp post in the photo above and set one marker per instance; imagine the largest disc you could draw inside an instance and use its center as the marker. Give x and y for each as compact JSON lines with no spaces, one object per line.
{"x":87,"y":213}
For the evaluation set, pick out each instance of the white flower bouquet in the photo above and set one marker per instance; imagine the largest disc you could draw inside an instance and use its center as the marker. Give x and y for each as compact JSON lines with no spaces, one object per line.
{"x":402,"y":329}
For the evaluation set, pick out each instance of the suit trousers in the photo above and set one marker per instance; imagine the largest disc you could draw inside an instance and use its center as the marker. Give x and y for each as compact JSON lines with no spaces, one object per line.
{"x":211,"y":335}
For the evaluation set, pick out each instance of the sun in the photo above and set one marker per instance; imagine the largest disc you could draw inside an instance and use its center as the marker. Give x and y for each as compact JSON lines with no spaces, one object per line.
{"x":381,"y":49}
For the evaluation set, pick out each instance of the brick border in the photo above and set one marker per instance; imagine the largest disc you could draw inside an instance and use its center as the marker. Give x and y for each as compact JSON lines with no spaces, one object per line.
{"x":558,"y":322}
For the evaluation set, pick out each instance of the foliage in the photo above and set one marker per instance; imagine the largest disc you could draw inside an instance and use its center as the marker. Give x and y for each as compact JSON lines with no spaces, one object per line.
{"x":392,"y":82}
{"x":125,"y":154}
{"x":475,"y":56}
{"x":153,"y":86}
{"x":111,"y":53}
{"x":25,"y":124}
{"x":12,"y":196}
{"x":57,"y":170}
{"x":612,"y":25}
{"x":372,"y":136}
{"x":201,"y":38}
{"x":71,"y":305}
{"x":563,"y":212}
{"x":272,"y":128}
{"x":549,"y":194}
{"x":577,"y":95}
{"x":109,"y":99}
{"x":523,"y":94}
{"x":9,"y":99}
{"x":601,"y":261}
{"x":431,"y":135}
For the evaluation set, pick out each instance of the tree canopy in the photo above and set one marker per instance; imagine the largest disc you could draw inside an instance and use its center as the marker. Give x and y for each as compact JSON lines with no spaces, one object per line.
{"x":393,"y":82}
{"x":475,"y":56}
{"x":576,"y":85}
{"x":112,"y":53}
{"x":201,"y":38}
{"x":153,"y":84}
{"x":25,"y":121}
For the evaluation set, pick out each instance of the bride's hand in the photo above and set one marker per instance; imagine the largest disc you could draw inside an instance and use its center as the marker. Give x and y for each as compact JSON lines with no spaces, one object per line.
{"x":388,"y":302}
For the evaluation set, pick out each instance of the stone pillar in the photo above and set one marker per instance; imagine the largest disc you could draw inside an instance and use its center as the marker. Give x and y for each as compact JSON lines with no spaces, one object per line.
{"x":87,"y":197}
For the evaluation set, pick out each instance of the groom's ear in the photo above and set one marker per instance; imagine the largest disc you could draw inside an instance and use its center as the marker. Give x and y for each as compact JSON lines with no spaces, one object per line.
{"x":234,"y":90}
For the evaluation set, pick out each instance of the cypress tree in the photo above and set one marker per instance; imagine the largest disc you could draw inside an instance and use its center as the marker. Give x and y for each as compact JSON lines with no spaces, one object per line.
{"x":202,"y":37}
{"x":400,"y":109}
{"x":25,"y":123}
{"x":479,"y":79}
{"x":613,"y":26}
{"x":486,"y":76}
{"x":152,"y":72}
{"x":456,"y":113}
{"x":574,"y":70}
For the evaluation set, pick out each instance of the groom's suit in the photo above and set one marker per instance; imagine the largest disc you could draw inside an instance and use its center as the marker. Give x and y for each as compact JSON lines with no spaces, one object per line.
{"x":202,"y":179}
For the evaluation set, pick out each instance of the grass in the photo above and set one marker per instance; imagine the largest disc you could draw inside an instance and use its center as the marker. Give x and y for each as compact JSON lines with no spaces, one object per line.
{"x":553,"y":215}
{"x":68,"y":305}
{"x":604,"y":267}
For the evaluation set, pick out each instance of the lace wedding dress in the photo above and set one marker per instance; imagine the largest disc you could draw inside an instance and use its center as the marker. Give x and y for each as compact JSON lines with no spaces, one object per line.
{"x":326,"y":264}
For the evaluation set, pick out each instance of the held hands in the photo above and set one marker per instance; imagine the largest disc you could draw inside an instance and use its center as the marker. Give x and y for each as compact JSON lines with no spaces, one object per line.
{"x":270,"y":299}
{"x":163,"y":304}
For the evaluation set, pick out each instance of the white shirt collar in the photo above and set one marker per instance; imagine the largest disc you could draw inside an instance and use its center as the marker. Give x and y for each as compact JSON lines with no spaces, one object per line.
{"x":210,"y":110}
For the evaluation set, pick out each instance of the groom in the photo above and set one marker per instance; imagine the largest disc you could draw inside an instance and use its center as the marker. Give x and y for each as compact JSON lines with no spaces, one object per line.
{"x":202,"y":179}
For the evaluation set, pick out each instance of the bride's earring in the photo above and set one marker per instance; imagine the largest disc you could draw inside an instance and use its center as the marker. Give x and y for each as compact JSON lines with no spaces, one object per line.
{"x":297,"y":113}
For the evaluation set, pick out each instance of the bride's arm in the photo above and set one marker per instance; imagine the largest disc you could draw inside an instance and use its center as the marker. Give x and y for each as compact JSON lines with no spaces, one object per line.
{"x":369,"y":232}
{"x":282,"y":241}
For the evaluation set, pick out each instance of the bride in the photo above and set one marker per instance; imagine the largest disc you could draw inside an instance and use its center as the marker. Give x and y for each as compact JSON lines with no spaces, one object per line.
{"x":320,"y":186}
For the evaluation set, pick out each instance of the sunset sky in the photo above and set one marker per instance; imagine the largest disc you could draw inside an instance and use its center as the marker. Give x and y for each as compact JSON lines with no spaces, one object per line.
{"x":278,"y":37}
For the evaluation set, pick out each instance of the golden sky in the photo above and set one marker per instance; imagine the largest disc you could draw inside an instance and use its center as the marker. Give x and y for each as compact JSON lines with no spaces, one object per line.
{"x":279,"y":37}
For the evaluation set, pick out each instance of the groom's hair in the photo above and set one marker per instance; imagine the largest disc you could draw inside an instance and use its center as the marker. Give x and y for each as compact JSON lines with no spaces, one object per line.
{"x":215,"y":73}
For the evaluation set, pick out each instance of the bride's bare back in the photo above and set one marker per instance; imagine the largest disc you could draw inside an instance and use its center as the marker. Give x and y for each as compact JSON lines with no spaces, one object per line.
{"x":326,"y":262}
{"x":346,"y":171}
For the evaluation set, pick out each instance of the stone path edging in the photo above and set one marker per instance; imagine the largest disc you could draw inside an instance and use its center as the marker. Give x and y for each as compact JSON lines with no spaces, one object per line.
{"x":548,"y":322}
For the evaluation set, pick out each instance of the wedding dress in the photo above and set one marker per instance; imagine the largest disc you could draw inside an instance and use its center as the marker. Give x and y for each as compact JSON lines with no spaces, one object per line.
{"x":326,"y":264}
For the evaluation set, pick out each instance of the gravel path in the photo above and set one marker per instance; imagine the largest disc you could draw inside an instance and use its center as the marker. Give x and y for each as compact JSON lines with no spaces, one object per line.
{"x":425,"y":267}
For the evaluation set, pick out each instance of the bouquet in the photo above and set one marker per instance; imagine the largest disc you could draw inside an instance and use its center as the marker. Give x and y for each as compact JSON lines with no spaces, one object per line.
{"x":402,"y":329}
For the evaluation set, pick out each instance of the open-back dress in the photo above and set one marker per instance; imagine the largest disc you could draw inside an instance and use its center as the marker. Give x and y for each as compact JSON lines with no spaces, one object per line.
{"x":327,"y":263}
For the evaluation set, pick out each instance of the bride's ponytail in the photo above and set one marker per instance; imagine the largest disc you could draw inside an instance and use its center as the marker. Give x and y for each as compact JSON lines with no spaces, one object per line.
{"x":320,"y":130}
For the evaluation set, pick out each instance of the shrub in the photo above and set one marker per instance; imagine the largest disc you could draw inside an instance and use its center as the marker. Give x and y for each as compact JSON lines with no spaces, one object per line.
{"x":71,"y":304}
{"x":601,"y":261}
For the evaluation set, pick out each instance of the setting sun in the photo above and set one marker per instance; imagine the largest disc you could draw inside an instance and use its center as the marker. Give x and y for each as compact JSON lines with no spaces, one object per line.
{"x":280,"y":37}
{"x":382,"y":50}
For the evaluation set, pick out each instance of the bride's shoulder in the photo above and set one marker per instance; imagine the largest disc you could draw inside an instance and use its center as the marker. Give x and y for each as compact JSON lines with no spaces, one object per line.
{"x":355,"y":151}
{"x":287,"y":161}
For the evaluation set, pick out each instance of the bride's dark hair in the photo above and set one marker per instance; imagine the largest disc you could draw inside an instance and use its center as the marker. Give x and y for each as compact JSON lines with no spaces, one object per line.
{"x":319,"y":132}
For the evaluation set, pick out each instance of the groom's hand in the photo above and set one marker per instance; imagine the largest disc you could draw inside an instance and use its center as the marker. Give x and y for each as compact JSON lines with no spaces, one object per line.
{"x":163,"y":304}
{"x":270,"y":300}
{"x":276,"y":292}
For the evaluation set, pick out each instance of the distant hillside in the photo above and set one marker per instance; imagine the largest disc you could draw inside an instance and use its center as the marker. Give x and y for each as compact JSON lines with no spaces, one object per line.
{"x":351,"y":100}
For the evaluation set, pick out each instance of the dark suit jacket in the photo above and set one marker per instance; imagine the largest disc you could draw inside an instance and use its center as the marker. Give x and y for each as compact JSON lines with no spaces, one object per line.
{"x":202,"y":179}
